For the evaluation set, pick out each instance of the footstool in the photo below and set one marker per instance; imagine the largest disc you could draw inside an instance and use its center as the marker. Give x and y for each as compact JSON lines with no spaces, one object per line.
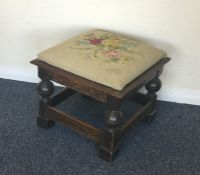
{"x":107,"y":67}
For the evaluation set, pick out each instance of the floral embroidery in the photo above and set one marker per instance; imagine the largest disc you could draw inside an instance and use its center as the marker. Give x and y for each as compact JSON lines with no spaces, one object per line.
{"x":111,"y":42}
{"x":95,"y":41}
{"x":106,"y":46}
{"x":112,"y":53}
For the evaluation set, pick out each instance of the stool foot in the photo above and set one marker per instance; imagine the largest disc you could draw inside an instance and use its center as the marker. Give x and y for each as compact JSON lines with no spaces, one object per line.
{"x":45,"y":124}
{"x":107,"y":154}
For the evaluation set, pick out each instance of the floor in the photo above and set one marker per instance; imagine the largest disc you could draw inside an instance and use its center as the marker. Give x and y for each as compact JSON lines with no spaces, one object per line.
{"x":168,"y":146}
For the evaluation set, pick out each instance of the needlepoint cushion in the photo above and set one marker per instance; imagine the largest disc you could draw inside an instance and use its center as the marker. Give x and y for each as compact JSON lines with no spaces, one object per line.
{"x":104,"y":57}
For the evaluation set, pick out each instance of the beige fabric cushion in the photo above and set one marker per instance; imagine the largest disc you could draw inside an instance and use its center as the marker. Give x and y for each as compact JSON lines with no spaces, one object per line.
{"x":103,"y":57}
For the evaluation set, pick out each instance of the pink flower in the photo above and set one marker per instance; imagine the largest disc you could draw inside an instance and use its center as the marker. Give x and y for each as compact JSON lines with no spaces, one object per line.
{"x":112,"y":53}
{"x":95,"y":41}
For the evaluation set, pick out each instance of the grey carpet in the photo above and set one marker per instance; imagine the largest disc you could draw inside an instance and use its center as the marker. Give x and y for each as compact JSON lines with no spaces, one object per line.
{"x":168,"y":146}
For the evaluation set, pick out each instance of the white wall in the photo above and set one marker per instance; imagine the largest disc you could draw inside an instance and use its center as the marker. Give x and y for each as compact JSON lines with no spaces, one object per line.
{"x":29,"y":26}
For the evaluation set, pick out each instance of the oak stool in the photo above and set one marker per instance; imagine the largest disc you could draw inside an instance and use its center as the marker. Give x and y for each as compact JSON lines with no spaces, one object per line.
{"x":107,"y":67}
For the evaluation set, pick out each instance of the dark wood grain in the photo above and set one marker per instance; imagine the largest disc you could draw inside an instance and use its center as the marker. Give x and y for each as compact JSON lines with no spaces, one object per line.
{"x":109,"y":137}
{"x":109,"y":145}
{"x":152,"y":87}
{"x":97,"y":90}
{"x":74,"y":123}
{"x":45,"y":89}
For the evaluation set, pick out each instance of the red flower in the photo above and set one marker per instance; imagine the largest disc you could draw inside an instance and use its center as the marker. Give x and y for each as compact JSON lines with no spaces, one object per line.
{"x":95,"y":41}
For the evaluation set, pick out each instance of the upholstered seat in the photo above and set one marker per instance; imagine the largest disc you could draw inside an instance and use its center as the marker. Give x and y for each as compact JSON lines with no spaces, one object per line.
{"x":104,"y":57}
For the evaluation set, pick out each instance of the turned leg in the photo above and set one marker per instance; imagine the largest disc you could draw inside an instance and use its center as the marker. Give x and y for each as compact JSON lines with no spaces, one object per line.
{"x":45,"y":89}
{"x":109,"y":145}
{"x":152,"y":87}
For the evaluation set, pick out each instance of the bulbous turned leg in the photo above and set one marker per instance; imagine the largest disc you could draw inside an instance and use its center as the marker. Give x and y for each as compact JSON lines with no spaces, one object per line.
{"x":152,"y":87}
{"x":45,"y":89}
{"x":109,"y":145}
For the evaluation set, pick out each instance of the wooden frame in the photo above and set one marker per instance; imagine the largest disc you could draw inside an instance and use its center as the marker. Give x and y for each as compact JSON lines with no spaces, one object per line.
{"x":108,"y":138}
